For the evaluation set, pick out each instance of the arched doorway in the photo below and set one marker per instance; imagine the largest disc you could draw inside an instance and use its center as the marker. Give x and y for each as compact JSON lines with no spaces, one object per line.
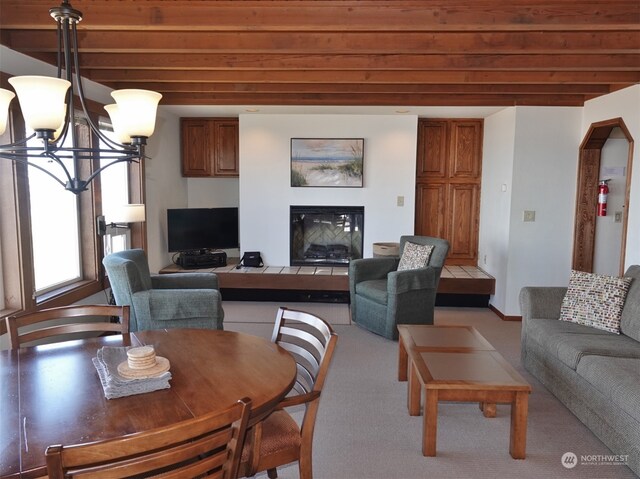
{"x":589,"y":172}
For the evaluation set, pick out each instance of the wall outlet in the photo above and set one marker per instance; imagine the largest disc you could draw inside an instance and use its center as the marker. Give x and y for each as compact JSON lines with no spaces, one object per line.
{"x":484,"y":259}
{"x":617,"y":217}
{"x":529,"y":216}
{"x":400,"y":201}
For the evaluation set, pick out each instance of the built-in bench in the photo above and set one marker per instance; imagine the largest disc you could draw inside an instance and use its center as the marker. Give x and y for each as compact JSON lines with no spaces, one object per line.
{"x":459,"y":285}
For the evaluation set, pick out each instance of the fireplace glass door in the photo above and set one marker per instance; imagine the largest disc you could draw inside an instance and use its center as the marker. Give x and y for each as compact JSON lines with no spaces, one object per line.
{"x":326,"y":235}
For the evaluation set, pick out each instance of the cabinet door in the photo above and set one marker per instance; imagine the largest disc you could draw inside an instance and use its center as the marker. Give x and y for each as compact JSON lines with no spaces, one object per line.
{"x":196,"y":153}
{"x":448,"y":185}
{"x":226,"y":148}
{"x":463,"y":226}
{"x":430,"y":208}
{"x":465,"y":148}
{"x":432,"y":149}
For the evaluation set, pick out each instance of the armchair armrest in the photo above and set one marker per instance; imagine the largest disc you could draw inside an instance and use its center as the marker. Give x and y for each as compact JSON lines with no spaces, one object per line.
{"x":541,"y":302}
{"x":185,"y":281}
{"x":412,"y":279}
{"x":371,"y":268}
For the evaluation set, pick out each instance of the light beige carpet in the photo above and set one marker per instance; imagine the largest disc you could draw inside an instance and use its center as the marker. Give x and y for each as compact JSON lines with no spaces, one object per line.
{"x":363,"y":430}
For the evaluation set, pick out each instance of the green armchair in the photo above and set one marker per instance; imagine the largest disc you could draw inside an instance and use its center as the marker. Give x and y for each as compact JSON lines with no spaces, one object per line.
{"x":382,"y":297}
{"x":180,"y":300}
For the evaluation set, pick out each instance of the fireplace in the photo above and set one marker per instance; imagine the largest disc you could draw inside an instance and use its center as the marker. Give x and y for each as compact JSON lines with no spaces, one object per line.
{"x":326,"y":235}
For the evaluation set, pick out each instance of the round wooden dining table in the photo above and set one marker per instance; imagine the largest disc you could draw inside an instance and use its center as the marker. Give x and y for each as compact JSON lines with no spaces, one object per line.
{"x":51,"y":394}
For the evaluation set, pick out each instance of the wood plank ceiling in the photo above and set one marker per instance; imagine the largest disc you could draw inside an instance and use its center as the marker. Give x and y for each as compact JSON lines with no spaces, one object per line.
{"x":344,"y":52}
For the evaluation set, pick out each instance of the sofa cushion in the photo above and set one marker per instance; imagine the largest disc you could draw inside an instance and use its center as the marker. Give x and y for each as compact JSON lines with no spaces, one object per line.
{"x":415,"y":256}
{"x":569,"y":342}
{"x":630,"y":320}
{"x":374,"y":289}
{"x":616,"y":378}
{"x":595,"y":300}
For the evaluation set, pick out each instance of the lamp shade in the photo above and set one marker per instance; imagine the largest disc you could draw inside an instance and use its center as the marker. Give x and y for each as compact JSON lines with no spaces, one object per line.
{"x":117,"y":123}
{"x":5,"y":98}
{"x":133,"y":213}
{"x":42,"y":100}
{"x":137,"y":111}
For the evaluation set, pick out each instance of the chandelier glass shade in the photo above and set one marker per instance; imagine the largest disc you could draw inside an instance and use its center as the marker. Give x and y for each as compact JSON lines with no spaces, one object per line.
{"x":48,"y":105}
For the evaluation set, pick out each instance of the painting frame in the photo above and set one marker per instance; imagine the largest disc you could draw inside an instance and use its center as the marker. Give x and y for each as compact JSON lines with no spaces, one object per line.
{"x":327,"y":162}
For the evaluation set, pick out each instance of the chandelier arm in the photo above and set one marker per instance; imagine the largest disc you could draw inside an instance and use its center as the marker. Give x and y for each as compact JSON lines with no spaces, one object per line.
{"x":18,"y":144}
{"x":99,"y":170}
{"x":53,"y":157}
{"x":109,"y":142}
{"x":25,"y":161}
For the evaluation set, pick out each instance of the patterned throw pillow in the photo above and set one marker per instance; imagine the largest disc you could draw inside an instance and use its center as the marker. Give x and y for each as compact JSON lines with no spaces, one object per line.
{"x":415,"y":256}
{"x":595,"y":300}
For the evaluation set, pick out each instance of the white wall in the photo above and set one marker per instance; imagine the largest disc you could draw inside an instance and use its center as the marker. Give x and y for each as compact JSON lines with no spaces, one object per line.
{"x":543,"y":170}
{"x":265,"y":193}
{"x":608,"y":237}
{"x":495,"y":204}
{"x":165,"y":186}
{"x":544,"y":180}
{"x":626,"y":105}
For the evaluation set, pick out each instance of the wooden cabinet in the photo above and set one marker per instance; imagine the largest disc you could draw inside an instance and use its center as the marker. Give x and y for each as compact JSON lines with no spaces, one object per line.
{"x":209,"y":147}
{"x":448,"y":175}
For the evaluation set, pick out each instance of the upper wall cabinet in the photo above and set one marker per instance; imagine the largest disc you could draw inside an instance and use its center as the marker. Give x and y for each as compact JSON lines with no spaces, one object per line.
{"x":209,"y":147}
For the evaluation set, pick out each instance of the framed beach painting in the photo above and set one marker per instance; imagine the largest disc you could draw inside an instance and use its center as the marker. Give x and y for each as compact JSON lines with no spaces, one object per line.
{"x":327,"y":162}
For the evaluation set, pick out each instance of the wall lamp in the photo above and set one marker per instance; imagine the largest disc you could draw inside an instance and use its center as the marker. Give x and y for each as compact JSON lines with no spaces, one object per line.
{"x":122,"y":218}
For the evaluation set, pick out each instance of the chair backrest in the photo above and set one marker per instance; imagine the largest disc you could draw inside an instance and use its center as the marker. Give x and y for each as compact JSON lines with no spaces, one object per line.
{"x":207,"y":445}
{"x":50,"y":322}
{"x":440,"y":250}
{"x":128,"y":273}
{"x":311,"y":341}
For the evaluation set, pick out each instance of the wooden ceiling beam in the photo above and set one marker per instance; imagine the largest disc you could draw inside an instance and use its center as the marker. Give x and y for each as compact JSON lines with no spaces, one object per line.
{"x":368,"y":99}
{"x":251,"y":88}
{"x":382,"y":42}
{"x":215,"y":15}
{"x":337,"y":77}
{"x":173,"y":61}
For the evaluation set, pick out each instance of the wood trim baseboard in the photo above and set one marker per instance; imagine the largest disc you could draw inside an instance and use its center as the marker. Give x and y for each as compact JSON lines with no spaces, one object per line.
{"x":503,"y":316}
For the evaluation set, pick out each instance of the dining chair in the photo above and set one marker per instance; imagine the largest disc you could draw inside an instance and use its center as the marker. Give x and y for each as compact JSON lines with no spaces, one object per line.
{"x":63,"y":321}
{"x":203,"y":446}
{"x":278,"y":440}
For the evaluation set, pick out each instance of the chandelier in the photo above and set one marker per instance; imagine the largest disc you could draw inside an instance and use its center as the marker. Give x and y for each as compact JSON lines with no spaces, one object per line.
{"x":48,"y":106}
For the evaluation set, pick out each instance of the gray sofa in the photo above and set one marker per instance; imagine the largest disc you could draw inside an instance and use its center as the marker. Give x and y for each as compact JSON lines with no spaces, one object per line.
{"x":596,"y":374}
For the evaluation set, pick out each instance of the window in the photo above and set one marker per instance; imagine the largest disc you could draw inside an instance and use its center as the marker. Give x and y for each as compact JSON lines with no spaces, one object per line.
{"x":50,"y":250}
{"x":54,"y":228}
{"x":115,"y":193}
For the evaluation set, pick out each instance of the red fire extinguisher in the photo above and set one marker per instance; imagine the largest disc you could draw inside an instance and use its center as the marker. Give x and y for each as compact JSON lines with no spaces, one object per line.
{"x":603,"y":191}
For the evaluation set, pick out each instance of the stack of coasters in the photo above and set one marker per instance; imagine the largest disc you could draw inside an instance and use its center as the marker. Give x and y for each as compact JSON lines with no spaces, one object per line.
{"x":125,"y":371}
{"x":142,"y":363}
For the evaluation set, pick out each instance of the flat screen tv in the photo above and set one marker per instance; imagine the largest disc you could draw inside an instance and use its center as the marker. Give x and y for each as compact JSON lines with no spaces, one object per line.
{"x":191,"y":229}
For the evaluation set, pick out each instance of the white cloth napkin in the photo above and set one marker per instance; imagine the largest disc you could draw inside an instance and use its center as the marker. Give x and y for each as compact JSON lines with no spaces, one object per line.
{"x":114,"y":385}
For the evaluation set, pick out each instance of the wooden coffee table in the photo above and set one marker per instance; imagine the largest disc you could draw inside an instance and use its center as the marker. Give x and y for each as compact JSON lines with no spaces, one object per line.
{"x":455,"y":363}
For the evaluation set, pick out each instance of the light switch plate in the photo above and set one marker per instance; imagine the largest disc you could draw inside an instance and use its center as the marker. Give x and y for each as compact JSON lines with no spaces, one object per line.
{"x":617,"y":217}
{"x":529,"y":216}
{"x":400,"y":201}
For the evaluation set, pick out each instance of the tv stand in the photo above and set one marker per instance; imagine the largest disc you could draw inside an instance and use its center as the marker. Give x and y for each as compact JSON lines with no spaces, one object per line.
{"x":203,"y":258}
